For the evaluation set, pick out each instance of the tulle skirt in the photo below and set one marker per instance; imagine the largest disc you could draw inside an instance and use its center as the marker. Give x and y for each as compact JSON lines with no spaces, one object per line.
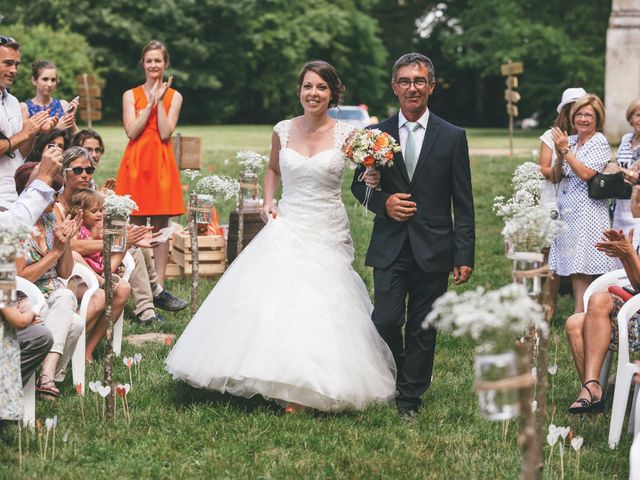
{"x":289,"y":320}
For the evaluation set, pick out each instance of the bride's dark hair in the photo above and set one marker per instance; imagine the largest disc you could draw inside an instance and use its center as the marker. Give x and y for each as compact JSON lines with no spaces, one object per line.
{"x":328,"y":74}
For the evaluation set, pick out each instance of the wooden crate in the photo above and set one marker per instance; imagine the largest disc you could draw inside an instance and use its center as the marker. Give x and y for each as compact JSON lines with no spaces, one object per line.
{"x":173,"y":270}
{"x":188,"y":152}
{"x":211,"y":254}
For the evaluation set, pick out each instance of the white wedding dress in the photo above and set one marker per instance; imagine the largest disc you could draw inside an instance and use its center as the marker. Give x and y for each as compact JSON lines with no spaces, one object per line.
{"x":290,"y":318}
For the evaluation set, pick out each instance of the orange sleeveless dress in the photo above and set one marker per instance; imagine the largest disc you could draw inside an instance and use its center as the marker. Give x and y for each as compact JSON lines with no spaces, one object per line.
{"x":148,"y":170}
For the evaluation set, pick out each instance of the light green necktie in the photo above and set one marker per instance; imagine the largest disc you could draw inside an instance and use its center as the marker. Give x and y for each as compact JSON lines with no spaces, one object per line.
{"x":410,"y":155}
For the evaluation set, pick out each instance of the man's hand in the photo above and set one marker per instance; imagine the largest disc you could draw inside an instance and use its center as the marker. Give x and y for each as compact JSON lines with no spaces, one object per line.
{"x":50,"y":165}
{"x":136,"y":234}
{"x":34,"y":124}
{"x":399,"y":207}
{"x":461,"y":274}
{"x":372,"y":178}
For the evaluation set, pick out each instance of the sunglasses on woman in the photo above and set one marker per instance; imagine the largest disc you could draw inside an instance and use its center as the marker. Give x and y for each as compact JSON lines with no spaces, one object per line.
{"x":79,"y":170}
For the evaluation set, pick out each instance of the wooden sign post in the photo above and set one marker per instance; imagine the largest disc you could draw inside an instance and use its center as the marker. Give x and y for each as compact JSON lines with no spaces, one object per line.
{"x":510,"y":70}
{"x":90,"y":102}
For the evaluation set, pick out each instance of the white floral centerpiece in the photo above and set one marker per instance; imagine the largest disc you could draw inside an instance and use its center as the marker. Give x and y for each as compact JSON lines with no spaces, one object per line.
{"x":488,"y":317}
{"x":527,"y":177}
{"x":493,"y":319}
{"x":531,"y":230}
{"x":251,"y":162}
{"x":521,"y":201}
{"x":117,"y":210}
{"x":218,"y":186}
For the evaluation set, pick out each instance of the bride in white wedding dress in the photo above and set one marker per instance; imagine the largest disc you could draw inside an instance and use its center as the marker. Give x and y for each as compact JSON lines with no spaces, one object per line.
{"x":290,"y":319}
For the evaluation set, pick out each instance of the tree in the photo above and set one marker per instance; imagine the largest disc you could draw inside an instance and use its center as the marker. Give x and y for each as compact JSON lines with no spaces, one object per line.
{"x":68,"y":51}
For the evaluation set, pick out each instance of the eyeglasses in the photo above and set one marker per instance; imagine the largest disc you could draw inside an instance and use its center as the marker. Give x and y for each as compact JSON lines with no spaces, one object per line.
{"x":94,"y":150}
{"x":405,"y":83}
{"x":56,"y":194}
{"x":5,"y":40}
{"x":584,"y":115}
{"x":79,"y":170}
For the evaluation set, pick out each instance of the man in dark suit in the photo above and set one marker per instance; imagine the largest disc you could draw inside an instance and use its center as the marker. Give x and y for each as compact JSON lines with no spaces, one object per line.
{"x":415,"y":242}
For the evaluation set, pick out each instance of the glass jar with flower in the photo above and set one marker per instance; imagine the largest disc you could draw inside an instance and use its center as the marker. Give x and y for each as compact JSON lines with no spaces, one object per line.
{"x":117,"y":210}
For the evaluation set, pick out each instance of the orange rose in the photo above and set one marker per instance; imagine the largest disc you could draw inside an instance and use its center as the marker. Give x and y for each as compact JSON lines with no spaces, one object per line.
{"x":369,"y":161}
{"x":381,"y":142}
{"x":389,"y":156}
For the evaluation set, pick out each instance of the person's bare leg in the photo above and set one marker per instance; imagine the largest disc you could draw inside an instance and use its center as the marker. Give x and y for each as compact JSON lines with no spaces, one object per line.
{"x":47,"y":375}
{"x":161,"y":252}
{"x":580,"y":282}
{"x":554,"y":288}
{"x":596,"y":334}
{"x":99,"y":328}
{"x":573,"y":328}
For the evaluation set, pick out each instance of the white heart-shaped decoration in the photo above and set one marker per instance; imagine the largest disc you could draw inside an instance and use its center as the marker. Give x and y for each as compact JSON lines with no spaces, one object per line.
{"x":552,"y":438}
{"x":103,"y":391}
{"x":577,"y":442}
{"x":48,"y":423}
{"x":55,"y":421}
{"x":94,"y":386}
{"x":564,"y":431}
{"x":534,"y":405}
{"x":65,"y":437}
{"x":534,"y":372}
{"x":552,"y":369}
{"x":127,"y":387}
{"x":126,"y":361}
{"x":552,"y":428}
{"x":137,"y":357}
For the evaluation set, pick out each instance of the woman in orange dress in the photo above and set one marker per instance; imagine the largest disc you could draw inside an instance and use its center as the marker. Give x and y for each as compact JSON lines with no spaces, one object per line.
{"x":148,"y":171}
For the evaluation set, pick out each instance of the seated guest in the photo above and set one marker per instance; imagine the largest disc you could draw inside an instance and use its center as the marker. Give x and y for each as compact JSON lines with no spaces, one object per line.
{"x":47,"y":258}
{"x":92,"y":142}
{"x":12,"y":361}
{"x":44,"y":141}
{"x":592,"y":333}
{"x":35,"y":340}
{"x":148,"y":294}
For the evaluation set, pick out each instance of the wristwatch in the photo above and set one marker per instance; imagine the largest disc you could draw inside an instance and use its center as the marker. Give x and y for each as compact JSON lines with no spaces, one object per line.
{"x":564,"y":151}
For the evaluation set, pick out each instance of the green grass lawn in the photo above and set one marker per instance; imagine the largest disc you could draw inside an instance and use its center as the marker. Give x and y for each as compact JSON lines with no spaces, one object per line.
{"x":180,"y":432}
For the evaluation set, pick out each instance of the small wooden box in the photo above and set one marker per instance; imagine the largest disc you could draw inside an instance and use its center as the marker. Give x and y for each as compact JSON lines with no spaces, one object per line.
{"x":211,"y":254}
{"x":188,"y":152}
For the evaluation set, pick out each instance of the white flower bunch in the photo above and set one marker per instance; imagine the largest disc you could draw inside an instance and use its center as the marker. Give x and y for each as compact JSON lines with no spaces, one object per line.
{"x":118,"y":206}
{"x":528,"y":177}
{"x":531,"y":230}
{"x":487,"y":315}
{"x":220,"y":187}
{"x":522,"y":201}
{"x":252,"y":162}
{"x":12,"y":238}
{"x":191,"y":174}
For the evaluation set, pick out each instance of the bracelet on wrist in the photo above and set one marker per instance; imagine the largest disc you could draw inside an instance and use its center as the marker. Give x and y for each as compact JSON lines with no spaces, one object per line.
{"x":564,"y":151}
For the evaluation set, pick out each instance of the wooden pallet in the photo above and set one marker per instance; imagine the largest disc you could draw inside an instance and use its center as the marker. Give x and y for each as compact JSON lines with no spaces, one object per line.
{"x":211,"y":254}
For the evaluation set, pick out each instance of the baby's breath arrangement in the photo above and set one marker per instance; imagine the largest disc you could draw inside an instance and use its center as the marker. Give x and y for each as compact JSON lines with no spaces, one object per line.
{"x":487,"y":316}
{"x":531,"y":230}
{"x":219,"y":186}
{"x":118,"y":206}
{"x":251,"y":162}
{"x":527,"y":177}
{"x":12,"y":238}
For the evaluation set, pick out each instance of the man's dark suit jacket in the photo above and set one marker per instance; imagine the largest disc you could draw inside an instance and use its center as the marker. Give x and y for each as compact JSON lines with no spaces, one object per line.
{"x":441,"y":181}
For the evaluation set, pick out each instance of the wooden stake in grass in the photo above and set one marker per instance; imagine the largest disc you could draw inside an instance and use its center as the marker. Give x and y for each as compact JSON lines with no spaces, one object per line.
{"x":108,"y":313}
{"x":20,"y":444}
{"x":576,"y":444}
{"x":39,"y":429}
{"x":195,"y":265}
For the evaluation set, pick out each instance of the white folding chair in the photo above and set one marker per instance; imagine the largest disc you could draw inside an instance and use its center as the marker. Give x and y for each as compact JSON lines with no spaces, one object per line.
{"x":38,"y":302}
{"x":624,"y":376}
{"x":600,"y":284}
{"x":129,"y":265}
{"x":78,"y":359}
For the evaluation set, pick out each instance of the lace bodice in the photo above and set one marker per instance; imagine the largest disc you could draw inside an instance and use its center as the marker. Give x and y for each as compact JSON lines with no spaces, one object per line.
{"x":312,"y":186}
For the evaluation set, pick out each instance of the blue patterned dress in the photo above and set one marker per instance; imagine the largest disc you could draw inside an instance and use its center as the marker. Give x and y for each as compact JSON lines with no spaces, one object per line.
{"x":55,"y":108}
{"x":574,"y":251}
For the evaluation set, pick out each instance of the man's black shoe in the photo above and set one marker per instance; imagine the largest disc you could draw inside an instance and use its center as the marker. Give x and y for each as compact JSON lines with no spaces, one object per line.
{"x":167,"y":301}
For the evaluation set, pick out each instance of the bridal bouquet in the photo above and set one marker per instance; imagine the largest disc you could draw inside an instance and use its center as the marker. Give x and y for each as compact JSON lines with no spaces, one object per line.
{"x":370,"y":148}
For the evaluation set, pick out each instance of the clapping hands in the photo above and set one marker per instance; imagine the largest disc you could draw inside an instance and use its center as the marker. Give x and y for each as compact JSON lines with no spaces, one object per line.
{"x":615,"y":244}
{"x":65,"y":231}
{"x":156,"y":94}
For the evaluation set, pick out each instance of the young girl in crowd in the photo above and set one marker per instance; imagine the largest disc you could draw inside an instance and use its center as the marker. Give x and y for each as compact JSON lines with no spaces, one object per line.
{"x":91,"y":204}
{"x":44,"y":77}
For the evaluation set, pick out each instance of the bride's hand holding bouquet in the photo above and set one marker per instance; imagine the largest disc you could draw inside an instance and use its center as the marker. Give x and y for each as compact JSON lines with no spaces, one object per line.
{"x":370,"y":149}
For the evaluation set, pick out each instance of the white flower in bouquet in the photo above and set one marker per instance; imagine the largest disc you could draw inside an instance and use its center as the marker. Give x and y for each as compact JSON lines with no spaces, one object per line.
{"x":12,"y":238}
{"x":487,"y":316}
{"x":191,"y":174}
{"x":531,"y":230}
{"x":251,"y":162}
{"x":220,"y":187}
{"x":528,"y":177}
{"x":118,"y":206}
{"x":522,"y":201}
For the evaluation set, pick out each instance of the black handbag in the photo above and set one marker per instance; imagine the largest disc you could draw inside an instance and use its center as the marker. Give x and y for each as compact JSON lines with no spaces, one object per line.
{"x":609,"y":183}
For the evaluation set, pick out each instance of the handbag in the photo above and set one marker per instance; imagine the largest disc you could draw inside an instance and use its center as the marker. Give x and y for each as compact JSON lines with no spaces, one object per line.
{"x":609,"y":183}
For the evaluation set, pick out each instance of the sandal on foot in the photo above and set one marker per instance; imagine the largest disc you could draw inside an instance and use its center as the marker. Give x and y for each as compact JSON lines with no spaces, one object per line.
{"x":46,"y":389}
{"x":588,"y":405}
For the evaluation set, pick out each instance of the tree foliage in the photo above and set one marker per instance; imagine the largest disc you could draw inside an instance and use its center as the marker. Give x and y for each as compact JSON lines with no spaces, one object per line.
{"x":68,"y":51}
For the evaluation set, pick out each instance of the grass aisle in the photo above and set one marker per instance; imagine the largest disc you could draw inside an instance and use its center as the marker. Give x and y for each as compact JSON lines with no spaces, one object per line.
{"x":180,"y":432}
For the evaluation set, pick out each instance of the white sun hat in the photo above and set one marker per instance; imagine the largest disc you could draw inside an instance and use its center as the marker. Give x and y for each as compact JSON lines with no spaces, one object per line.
{"x":570,"y":95}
